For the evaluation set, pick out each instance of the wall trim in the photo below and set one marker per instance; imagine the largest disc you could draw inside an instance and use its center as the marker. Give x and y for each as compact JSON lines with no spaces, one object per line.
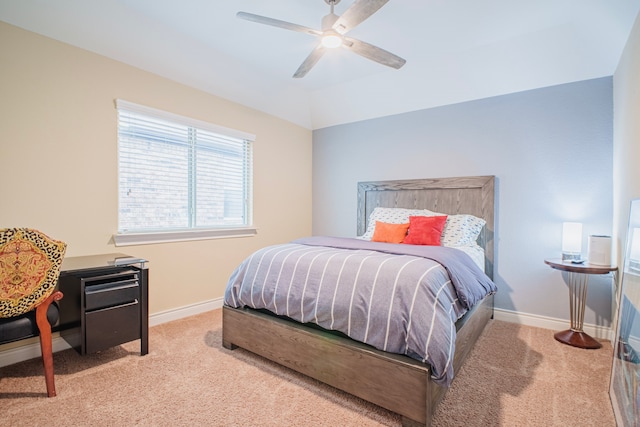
{"x":552,"y":323}
{"x":184,"y":311}
{"x":32,"y":349}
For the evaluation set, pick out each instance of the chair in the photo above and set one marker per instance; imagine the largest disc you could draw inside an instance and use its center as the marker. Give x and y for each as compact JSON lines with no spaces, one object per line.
{"x":29,"y":268}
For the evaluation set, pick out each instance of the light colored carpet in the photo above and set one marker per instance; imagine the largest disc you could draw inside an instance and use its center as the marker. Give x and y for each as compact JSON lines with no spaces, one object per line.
{"x":516,"y":376}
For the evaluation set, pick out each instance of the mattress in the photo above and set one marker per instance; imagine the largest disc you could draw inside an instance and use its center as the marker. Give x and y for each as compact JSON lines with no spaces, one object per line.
{"x":403,"y":299}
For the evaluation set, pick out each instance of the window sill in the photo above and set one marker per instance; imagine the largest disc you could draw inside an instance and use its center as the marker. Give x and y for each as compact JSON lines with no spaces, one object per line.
{"x":130,"y":239}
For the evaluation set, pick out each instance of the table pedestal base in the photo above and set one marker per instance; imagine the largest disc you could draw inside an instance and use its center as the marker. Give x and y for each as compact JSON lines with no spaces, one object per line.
{"x":577,"y":339}
{"x":578,"y":281}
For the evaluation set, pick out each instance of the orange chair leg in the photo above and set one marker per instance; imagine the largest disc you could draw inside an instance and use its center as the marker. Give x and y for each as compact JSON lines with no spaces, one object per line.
{"x":45,"y":341}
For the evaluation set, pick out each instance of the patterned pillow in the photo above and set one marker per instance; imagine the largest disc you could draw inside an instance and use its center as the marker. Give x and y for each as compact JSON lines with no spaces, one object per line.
{"x":462,"y":230}
{"x":459,"y":230}
{"x":29,"y":267}
{"x":392,"y":216}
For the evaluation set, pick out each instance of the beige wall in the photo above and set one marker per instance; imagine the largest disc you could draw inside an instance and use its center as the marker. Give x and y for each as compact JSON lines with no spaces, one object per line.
{"x":58,"y":158}
{"x":626,"y":136}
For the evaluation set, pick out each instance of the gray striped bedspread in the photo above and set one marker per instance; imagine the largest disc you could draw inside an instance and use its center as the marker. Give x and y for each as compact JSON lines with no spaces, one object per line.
{"x":398,"y":298}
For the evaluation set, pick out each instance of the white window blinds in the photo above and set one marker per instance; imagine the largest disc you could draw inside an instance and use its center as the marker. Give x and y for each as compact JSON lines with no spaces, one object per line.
{"x":177,"y":174}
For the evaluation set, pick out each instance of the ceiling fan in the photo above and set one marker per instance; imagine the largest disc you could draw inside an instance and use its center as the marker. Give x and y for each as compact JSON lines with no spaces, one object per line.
{"x":333,"y":32}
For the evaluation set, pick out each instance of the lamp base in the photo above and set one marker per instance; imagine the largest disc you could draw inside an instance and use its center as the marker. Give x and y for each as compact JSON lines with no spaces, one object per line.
{"x":568,"y":256}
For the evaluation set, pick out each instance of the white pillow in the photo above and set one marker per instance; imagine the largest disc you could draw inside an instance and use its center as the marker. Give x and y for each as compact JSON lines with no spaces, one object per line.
{"x":462,"y":230}
{"x":475,"y":252}
{"x":459,"y":230}
{"x":392,"y":216}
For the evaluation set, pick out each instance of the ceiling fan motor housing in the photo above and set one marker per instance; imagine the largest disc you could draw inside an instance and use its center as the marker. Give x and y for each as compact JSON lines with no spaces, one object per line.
{"x":328,"y":21}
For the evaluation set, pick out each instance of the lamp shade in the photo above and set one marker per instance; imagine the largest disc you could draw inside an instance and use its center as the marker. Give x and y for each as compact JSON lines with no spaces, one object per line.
{"x":571,"y":239}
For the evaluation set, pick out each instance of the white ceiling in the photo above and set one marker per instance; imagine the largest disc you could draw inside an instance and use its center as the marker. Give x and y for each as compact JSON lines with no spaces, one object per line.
{"x":456,"y":50}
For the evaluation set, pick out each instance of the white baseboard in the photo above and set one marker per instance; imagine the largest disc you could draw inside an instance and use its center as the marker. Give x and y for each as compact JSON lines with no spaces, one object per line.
{"x":596,"y":331}
{"x":184,"y":311}
{"x":32,"y":350}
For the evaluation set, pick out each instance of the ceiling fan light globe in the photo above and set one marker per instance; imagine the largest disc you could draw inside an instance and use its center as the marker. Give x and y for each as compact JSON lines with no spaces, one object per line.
{"x":331,"y":41}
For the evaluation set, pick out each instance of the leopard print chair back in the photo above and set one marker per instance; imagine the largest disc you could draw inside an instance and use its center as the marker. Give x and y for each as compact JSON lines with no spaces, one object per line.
{"x":29,"y":268}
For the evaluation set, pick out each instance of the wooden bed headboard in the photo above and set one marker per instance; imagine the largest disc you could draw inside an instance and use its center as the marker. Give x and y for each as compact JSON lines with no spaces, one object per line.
{"x":473,"y":195}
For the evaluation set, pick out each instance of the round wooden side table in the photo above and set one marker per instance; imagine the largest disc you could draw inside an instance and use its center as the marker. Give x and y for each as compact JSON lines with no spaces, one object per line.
{"x":578,"y":281}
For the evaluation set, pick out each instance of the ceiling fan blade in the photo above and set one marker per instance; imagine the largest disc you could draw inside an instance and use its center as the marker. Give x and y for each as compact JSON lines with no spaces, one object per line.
{"x":311,"y":60}
{"x":373,"y":53}
{"x":277,"y":23}
{"x":358,"y":12}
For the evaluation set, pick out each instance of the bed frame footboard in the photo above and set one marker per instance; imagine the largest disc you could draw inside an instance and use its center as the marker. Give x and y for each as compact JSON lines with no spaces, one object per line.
{"x":395,"y":382}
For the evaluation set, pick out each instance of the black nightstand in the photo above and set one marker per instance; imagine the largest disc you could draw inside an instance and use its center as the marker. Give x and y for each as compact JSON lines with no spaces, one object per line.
{"x":105,"y":302}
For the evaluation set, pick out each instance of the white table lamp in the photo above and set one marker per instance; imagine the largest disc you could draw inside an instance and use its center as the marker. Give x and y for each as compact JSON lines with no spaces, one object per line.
{"x":571,"y":240}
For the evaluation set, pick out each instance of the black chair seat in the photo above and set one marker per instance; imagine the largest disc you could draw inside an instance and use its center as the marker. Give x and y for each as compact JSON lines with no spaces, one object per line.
{"x":21,"y":327}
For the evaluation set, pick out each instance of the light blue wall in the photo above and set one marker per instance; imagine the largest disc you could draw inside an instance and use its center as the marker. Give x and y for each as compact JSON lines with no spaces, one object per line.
{"x":550,"y":150}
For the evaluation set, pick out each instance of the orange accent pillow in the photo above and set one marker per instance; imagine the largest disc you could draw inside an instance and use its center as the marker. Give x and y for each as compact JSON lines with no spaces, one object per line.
{"x":389,"y":233}
{"x":425,"y":230}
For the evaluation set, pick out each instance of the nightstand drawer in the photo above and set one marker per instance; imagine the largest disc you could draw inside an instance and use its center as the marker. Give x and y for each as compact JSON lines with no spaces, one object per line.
{"x":111,"y":294}
{"x":113,"y":326}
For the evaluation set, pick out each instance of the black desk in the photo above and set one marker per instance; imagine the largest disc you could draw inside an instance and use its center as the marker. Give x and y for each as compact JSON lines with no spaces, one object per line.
{"x":106,"y":302}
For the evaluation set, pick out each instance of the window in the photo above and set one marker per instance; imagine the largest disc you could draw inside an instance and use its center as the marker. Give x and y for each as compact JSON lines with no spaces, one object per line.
{"x":180,"y":179}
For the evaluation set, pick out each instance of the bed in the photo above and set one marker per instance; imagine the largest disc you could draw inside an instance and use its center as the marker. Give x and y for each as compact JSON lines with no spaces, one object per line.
{"x":393,"y":381}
